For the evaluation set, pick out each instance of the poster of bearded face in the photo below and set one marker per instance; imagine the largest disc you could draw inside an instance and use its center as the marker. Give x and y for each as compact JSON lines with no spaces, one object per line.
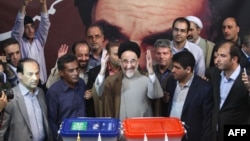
{"x":142,"y":21}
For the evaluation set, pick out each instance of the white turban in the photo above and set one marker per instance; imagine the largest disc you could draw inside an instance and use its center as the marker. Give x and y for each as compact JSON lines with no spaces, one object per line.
{"x":195,"y":20}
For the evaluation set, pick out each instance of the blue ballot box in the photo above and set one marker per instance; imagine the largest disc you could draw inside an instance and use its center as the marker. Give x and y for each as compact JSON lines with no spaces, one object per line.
{"x":89,"y":129}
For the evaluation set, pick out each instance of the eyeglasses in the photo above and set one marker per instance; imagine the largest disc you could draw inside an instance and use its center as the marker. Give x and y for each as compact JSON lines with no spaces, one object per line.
{"x":91,"y":37}
{"x":126,"y":62}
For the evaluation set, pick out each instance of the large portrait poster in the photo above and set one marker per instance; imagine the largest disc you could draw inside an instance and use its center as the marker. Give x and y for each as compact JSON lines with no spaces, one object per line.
{"x":142,"y":21}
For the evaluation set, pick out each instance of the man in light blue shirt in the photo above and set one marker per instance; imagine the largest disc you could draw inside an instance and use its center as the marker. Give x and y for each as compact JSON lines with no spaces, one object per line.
{"x":231,"y":98}
{"x":180,"y":29}
{"x":227,"y":83}
{"x":32,"y":42}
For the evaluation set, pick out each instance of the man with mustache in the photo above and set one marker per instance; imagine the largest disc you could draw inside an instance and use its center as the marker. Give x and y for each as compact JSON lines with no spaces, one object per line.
{"x":65,"y":96}
{"x":95,"y":39}
{"x":25,"y":116}
{"x":230,"y":30}
{"x":195,"y":37}
{"x":81,"y":50}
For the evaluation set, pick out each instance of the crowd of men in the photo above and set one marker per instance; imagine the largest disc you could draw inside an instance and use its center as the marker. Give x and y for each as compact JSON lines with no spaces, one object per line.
{"x":189,"y":77}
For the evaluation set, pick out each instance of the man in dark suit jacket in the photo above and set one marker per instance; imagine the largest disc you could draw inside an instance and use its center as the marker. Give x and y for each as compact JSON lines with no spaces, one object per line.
{"x":231,"y":99}
{"x":245,"y":53}
{"x":244,"y":62}
{"x":25,"y":116}
{"x":190,"y":98}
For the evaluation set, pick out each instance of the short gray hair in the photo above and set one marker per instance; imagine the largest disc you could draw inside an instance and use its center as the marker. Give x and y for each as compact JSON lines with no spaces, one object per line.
{"x":165,"y":43}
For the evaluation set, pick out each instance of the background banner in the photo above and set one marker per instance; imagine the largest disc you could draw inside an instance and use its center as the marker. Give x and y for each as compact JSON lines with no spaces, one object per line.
{"x":142,"y":21}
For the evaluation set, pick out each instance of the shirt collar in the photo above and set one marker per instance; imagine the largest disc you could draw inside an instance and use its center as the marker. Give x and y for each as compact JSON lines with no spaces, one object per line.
{"x":65,"y":85}
{"x":91,"y":55}
{"x":87,"y":70}
{"x":186,"y":46}
{"x":245,"y":53}
{"x":233,"y":76}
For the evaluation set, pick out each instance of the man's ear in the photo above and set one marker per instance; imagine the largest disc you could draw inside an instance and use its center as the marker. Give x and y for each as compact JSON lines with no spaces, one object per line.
{"x":235,"y":58}
{"x":60,"y":72}
{"x":199,"y":31}
{"x":189,"y":69}
{"x":238,"y":29}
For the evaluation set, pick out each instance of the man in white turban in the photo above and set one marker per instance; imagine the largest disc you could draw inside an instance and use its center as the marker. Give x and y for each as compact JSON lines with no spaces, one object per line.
{"x":194,"y":36}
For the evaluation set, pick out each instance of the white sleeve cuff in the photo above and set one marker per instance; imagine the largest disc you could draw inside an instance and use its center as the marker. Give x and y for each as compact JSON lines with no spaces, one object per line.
{"x":99,"y":79}
{"x":98,"y":84}
{"x":152,"y":77}
{"x":45,"y":15}
{"x":20,"y":15}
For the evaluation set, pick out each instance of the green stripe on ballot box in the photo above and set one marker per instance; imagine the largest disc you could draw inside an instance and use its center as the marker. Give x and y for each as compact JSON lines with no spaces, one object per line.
{"x":79,"y":126}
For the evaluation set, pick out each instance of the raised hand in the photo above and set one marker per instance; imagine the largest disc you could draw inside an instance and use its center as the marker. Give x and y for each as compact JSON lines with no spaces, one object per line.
{"x":23,"y":7}
{"x":7,"y":69}
{"x":44,"y":8}
{"x":3,"y":59}
{"x":62,"y":50}
{"x":149,"y":62}
{"x":104,"y":60}
{"x":43,"y":1}
{"x":26,"y":2}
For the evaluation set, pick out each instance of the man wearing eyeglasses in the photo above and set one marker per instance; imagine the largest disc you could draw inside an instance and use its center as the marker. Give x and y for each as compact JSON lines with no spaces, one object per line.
{"x":128,"y":92}
{"x":95,"y":39}
{"x":180,"y":29}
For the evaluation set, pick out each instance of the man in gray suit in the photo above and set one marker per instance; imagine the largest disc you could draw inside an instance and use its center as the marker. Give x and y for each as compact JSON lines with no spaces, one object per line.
{"x":25,"y":116}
